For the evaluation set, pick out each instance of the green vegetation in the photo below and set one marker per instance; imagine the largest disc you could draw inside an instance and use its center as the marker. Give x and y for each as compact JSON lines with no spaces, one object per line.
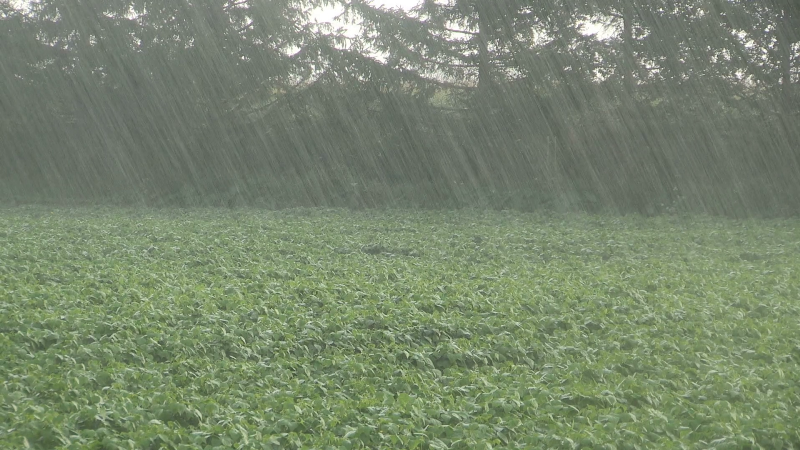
{"x":333,"y":329}
{"x":688,"y":105}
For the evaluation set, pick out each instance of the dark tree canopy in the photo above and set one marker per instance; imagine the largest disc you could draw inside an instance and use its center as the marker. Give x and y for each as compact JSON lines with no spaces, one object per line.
{"x":623,"y":105}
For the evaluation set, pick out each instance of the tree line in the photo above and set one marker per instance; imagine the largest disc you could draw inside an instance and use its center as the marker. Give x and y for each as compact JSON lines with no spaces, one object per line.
{"x":642,"y":106}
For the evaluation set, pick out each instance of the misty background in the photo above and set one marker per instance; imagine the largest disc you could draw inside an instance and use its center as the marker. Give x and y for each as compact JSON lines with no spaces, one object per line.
{"x":646,"y":106}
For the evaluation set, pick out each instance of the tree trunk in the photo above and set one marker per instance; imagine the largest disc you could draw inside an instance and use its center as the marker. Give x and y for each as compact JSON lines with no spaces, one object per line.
{"x":628,"y":60}
{"x":784,"y":47}
{"x":484,"y":65}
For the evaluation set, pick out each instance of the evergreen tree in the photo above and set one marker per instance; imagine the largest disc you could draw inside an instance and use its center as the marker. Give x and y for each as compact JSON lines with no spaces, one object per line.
{"x":158,"y":90}
{"x":774,"y":28}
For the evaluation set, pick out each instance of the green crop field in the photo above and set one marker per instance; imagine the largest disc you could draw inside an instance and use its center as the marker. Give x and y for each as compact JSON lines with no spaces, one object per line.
{"x":431,"y":330}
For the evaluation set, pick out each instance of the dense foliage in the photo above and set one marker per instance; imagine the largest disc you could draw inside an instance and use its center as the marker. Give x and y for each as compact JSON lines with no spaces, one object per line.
{"x":670,"y":104}
{"x":332,"y":329}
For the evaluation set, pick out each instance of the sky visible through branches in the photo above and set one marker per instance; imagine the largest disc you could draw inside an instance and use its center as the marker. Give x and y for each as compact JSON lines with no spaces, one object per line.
{"x":329,"y":14}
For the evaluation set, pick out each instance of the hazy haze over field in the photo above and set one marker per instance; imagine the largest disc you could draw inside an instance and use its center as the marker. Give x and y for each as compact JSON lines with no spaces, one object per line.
{"x":645,"y":106}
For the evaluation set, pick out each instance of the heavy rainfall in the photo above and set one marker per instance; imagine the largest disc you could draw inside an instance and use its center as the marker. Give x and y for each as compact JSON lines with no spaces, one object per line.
{"x":433,"y":224}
